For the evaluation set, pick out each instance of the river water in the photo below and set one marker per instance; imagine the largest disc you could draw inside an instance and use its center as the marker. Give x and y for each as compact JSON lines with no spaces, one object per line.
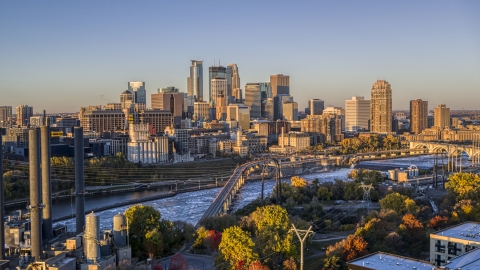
{"x":190,"y":206}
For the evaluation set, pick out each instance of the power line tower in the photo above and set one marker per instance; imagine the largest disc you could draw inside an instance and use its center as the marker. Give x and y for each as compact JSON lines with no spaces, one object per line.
{"x":302,"y":236}
{"x":264,"y":172}
{"x":366,"y":194}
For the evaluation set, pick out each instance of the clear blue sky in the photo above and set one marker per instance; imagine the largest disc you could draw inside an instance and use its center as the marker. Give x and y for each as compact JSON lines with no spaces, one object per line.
{"x":61,"y":55}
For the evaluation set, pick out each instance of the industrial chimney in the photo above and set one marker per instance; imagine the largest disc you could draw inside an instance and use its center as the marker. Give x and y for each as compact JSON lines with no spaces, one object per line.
{"x":35,"y":193}
{"x":46,"y":182}
{"x":79,"y":180}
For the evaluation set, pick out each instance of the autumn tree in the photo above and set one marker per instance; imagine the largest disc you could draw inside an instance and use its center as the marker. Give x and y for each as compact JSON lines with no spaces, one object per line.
{"x":142,"y":219}
{"x":298,"y":182}
{"x":178,"y":262}
{"x":332,"y":263}
{"x":153,"y":243}
{"x":464,"y":185}
{"x":394,"y":242}
{"x":257,"y":265}
{"x":355,"y":246}
{"x":399,"y":203}
{"x":438,"y":222}
{"x":412,"y":231}
{"x":237,"y":246}
{"x":290,"y":264}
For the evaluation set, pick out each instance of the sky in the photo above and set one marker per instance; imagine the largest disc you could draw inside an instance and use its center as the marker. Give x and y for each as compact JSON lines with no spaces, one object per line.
{"x":63,"y":55}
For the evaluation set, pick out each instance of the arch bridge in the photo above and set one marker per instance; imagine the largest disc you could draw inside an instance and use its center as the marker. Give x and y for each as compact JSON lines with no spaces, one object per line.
{"x":452,"y":150}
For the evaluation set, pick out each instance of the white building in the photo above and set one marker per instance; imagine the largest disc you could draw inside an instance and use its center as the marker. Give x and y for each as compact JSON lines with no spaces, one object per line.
{"x":357,"y":114}
{"x":142,"y":148}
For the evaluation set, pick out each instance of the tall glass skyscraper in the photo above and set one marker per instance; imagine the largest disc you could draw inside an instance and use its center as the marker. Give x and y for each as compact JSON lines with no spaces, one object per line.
{"x":381,"y":107}
{"x":138,"y":88}
{"x":195,"y":82}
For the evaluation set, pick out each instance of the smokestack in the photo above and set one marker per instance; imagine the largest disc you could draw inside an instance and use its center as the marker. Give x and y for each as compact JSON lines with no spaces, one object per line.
{"x":35,"y":193}
{"x":2,"y":206}
{"x":79,"y":180}
{"x":46,"y":182}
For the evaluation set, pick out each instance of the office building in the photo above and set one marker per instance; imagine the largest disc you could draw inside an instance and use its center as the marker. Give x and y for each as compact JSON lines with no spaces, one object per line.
{"x":382,"y":261}
{"x":278,"y":101}
{"x":253,"y":99}
{"x":381,"y":107}
{"x":5,"y":116}
{"x":24,"y":112}
{"x":266,"y":90}
{"x":38,"y":120}
{"x":215,"y":72}
{"x":316,"y":106}
{"x":290,"y":111}
{"x":418,"y":116}
{"x":237,"y":95}
{"x":454,"y":241}
{"x":268,"y":109}
{"x":233,"y":79}
{"x":280,"y":84}
{"x":138,"y":89}
{"x":200,"y":110}
{"x":195,"y":82}
{"x":357,"y":114}
{"x":127,"y":98}
{"x":217,"y":85}
{"x":169,"y":99}
{"x":441,"y":116}
{"x":239,"y":113}
{"x":221,"y":106}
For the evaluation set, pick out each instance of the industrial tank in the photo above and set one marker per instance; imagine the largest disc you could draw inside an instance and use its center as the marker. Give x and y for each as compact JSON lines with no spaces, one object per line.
{"x":120,"y":230}
{"x":92,"y":235}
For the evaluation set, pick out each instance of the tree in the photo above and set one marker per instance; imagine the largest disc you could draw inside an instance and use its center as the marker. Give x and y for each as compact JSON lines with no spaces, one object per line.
{"x":332,"y":263}
{"x":290,"y":264}
{"x":438,"y":222}
{"x":178,"y":262}
{"x":399,"y":203}
{"x":394,"y":241}
{"x":257,"y":266}
{"x":324,"y":194}
{"x":298,"y":182}
{"x":412,"y":231}
{"x":464,"y":185}
{"x":142,"y":219}
{"x":153,"y":243}
{"x":272,"y":229}
{"x":237,"y":246}
{"x":355,"y":246}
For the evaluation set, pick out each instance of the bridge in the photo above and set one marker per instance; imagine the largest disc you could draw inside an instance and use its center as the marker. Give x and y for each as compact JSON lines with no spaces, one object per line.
{"x":452,"y":150}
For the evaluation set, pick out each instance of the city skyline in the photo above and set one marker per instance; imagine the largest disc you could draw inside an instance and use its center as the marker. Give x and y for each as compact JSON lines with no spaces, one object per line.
{"x":63,"y":56}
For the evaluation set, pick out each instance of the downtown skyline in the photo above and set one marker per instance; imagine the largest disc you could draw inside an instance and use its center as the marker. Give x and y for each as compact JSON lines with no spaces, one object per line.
{"x":64,"y":56}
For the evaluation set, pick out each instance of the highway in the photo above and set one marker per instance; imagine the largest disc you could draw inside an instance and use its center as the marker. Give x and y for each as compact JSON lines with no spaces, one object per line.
{"x":222,"y":196}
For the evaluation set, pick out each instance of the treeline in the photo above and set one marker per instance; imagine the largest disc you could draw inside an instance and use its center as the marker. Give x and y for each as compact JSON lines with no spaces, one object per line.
{"x":362,"y":144}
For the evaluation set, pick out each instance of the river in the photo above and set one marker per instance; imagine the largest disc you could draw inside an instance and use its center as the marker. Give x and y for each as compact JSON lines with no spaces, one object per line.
{"x":190,"y":206}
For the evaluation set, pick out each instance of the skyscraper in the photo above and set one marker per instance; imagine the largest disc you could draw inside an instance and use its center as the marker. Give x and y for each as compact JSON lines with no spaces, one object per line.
{"x":217,"y":85}
{"x":441,"y":116}
{"x":138,"y":89}
{"x":215,"y":72}
{"x":357,"y":114}
{"x":418,"y":115}
{"x":169,"y":99}
{"x":280,"y":84}
{"x":24,"y":112}
{"x":195,"y":82}
{"x":278,"y":101}
{"x":5,"y":116}
{"x":239,"y":113}
{"x":253,"y":99}
{"x":127,"y":98}
{"x":381,"y":107}
{"x":316,"y":106}
{"x":233,"y":79}
{"x":290,"y":111}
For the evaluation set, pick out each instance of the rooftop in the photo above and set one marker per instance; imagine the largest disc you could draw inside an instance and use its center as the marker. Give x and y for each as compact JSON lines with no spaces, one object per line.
{"x":380,"y":260}
{"x":470,"y":260}
{"x":469,"y":231}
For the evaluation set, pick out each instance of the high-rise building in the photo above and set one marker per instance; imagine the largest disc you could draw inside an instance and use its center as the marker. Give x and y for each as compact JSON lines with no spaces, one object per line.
{"x":214,"y":72}
{"x":237,"y":95}
{"x":278,"y":101}
{"x":381,"y":107}
{"x":221,"y":106}
{"x":233,"y":79}
{"x":418,"y":115}
{"x":5,"y":116}
{"x":200,"y":110}
{"x":357,"y":114}
{"x":127,"y":98}
{"x":280,"y":84}
{"x":253,"y":99}
{"x":316,"y":106}
{"x":24,"y":112}
{"x":266,"y":90}
{"x":239,"y":113}
{"x":169,"y":99}
{"x":138,"y":89}
{"x":195,"y":82}
{"x":290,"y":111}
{"x":217,"y":85}
{"x":441,"y":116}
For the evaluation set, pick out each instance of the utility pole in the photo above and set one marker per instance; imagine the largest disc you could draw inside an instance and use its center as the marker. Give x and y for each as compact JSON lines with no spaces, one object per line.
{"x":366,"y":193}
{"x":264,"y":171}
{"x":302,"y":236}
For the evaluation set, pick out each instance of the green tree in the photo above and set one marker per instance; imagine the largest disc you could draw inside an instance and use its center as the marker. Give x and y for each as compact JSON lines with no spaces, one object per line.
{"x":324,"y":194}
{"x":237,"y":246}
{"x":332,"y":263}
{"x":153,"y":243}
{"x":399,"y":203}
